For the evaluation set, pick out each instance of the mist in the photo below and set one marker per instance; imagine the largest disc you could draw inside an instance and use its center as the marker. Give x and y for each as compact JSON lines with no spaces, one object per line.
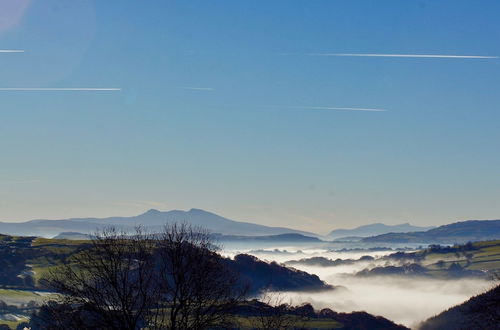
{"x":404,"y":300}
{"x":283,"y":254}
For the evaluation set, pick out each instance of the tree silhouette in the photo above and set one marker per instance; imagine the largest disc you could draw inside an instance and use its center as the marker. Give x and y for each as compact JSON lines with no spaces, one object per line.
{"x":174,"y":279}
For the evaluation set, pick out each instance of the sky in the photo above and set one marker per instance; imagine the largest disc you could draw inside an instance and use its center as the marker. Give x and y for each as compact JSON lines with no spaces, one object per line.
{"x":308,"y":114}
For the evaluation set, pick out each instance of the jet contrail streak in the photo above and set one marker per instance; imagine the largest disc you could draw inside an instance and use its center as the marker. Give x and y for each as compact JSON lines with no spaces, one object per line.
{"x":406,"y":55}
{"x":340,"y":108}
{"x":58,"y":89}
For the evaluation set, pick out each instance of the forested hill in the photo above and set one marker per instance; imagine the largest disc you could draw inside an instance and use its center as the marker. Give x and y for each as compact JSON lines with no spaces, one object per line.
{"x":24,"y":260}
{"x":479,"y":312}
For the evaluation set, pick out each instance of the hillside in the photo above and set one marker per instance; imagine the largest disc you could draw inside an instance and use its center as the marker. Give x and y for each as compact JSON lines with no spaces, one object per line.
{"x":260,"y":275}
{"x":70,"y":235}
{"x":25,"y":260}
{"x":473,"y":260}
{"x":479,"y":312}
{"x":458,"y":232}
{"x":325,"y":262}
{"x":248,"y":315}
{"x":306,"y":317}
{"x":287,"y":238}
{"x":152,"y":219}
{"x":375,"y":229}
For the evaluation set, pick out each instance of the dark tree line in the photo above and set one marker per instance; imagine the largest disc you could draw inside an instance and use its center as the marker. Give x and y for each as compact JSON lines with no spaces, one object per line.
{"x":171,"y":280}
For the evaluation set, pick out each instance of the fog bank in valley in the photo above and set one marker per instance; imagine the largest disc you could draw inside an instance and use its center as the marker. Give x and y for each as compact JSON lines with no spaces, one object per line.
{"x":405,"y":300}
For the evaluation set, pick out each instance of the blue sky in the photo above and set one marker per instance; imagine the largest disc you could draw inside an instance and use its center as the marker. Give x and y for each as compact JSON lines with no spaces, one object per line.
{"x":225,"y":106}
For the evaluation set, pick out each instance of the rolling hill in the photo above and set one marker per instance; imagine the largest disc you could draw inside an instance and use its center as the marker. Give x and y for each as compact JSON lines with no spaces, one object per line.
{"x":25,"y":260}
{"x":458,"y":232}
{"x":375,"y":229}
{"x":479,"y":312}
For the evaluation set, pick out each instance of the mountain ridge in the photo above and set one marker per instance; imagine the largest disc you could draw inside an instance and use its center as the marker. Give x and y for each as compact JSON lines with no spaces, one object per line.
{"x":456,"y":232}
{"x":375,"y":229}
{"x":152,"y":219}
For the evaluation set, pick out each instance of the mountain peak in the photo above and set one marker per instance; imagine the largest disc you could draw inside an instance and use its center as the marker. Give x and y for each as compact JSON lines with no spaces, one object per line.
{"x":152,"y":212}
{"x":194,"y":210}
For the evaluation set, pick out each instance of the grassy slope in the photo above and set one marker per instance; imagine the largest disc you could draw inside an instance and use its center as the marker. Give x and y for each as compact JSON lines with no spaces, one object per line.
{"x":485,"y":256}
{"x":13,"y":324}
{"x":17,"y":297}
{"x":249,"y":322}
{"x":8,"y":293}
{"x":42,"y":265}
{"x":244,"y":323}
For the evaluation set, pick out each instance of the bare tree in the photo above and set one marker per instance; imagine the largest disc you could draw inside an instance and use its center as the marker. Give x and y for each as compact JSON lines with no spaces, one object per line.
{"x":201,"y":291}
{"x":274,"y":313}
{"x":171,"y":280}
{"x":113,"y":281}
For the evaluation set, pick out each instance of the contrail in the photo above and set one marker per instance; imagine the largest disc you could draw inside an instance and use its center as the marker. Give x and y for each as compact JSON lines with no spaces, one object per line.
{"x":20,"y":181}
{"x":58,"y":89}
{"x":340,"y":108}
{"x":198,"y":88}
{"x":405,"y":55}
{"x":11,"y":51}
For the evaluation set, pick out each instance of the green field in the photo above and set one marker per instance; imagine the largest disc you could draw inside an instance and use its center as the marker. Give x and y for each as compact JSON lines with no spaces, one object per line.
{"x":19,"y":297}
{"x":245,"y":323}
{"x":481,"y":256}
{"x":13,"y":324}
{"x":252,"y":323}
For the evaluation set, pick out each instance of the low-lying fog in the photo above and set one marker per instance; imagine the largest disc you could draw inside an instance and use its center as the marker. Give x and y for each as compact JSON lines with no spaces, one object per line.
{"x":402,"y":300}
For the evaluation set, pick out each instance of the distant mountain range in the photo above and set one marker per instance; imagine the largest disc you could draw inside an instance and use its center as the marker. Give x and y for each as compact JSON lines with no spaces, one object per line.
{"x":152,"y":220}
{"x":281,"y":238}
{"x":375,"y":229}
{"x":230,"y":230}
{"x":458,"y":232}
